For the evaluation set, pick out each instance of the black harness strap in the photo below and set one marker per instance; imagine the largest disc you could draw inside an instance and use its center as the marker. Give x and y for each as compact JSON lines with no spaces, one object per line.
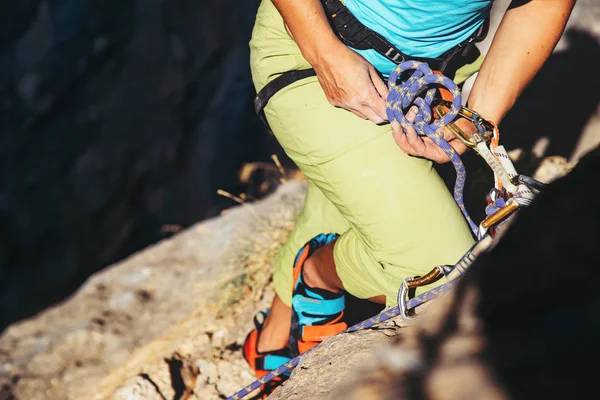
{"x":283,"y":80}
{"x":354,"y":34}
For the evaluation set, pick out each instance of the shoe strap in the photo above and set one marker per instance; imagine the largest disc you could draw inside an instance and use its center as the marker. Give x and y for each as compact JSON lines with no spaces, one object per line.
{"x":273,"y":361}
{"x":318,"y":333}
{"x":259,"y":319}
{"x":312,"y":311}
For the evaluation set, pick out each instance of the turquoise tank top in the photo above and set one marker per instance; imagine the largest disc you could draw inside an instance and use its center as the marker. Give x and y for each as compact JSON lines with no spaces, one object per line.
{"x":419,"y":28}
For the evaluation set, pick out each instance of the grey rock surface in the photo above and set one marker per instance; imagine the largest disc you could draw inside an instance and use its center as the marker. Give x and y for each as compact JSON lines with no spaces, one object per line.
{"x":184,"y":304}
{"x":117,"y":118}
{"x":170,"y":320}
{"x":334,"y":362}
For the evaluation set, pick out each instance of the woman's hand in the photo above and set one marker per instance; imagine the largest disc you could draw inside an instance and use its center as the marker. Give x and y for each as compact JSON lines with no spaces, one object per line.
{"x":352,"y":83}
{"x":421,"y":146}
{"x":349,"y":81}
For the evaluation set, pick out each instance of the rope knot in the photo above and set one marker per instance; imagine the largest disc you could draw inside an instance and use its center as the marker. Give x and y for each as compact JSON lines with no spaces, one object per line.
{"x":410,"y":92}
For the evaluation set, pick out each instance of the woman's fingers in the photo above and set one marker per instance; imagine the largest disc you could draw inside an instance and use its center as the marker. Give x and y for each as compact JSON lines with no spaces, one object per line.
{"x":368,"y":105}
{"x":413,"y":137}
{"x":411,"y":115}
{"x":376,"y":103}
{"x":353,"y":83}
{"x":355,"y":112}
{"x":447,"y":134}
{"x":416,"y":145}
{"x":380,"y":86}
{"x":369,"y":113}
{"x":401,"y":139}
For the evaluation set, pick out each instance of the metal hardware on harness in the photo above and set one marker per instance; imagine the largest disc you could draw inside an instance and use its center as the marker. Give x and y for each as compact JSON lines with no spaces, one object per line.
{"x":510,"y":207}
{"x":531,"y":182}
{"x":425,"y":280}
{"x":412,"y":283}
{"x":495,"y":194}
{"x":484,"y":127}
{"x":497,"y":159}
{"x":402,"y":298}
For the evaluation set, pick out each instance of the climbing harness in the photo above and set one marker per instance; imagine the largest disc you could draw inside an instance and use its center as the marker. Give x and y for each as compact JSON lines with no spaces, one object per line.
{"x":356,"y":35}
{"x":511,"y":191}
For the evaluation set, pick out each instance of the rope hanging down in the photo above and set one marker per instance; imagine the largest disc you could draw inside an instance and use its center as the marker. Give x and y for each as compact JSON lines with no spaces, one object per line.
{"x":406,"y":94}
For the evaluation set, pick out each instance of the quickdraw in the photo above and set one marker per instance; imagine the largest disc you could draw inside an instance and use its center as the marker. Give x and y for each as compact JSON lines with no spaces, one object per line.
{"x":512,"y":191}
{"x":484,"y":127}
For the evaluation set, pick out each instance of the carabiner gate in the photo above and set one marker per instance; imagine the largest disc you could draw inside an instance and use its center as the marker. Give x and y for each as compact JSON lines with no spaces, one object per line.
{"x":484,"y":127}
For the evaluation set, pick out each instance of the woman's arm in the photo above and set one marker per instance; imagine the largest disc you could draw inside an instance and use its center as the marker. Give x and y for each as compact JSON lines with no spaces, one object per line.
{"x":349,"y":81}
{"x":527,"y":34}
{"x":523,"y":42}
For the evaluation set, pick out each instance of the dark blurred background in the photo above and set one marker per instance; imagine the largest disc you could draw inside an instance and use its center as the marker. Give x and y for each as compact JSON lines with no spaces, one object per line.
{"x":118,"y":118}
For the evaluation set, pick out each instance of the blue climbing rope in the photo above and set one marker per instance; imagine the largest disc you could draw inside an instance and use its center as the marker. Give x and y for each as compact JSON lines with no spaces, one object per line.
{"x":406,"y":94}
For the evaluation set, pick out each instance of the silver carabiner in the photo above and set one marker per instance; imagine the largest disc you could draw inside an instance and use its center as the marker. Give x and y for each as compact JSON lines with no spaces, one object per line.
{"x":402,"y":302}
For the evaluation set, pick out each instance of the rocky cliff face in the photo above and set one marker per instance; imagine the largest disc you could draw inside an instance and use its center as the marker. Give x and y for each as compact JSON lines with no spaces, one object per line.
{"x":169,"y":321}
{"x":164,"y":322}
{"x":117,"y":118}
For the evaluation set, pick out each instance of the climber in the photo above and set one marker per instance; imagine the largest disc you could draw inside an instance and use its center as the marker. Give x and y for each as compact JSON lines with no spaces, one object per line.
{"x":375,"y":210}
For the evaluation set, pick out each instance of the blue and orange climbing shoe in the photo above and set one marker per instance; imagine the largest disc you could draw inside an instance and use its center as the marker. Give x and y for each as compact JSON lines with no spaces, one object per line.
{"x":263,"y":363}
{"x":316,"y":313}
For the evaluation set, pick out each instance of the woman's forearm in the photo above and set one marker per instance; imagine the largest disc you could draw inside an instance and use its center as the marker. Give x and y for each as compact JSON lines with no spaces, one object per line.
{"x":523,"y":42}
{"x":310,"y":28}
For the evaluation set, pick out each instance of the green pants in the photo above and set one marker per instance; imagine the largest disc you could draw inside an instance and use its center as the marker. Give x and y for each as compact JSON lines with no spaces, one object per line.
{"x":395,"y":215}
